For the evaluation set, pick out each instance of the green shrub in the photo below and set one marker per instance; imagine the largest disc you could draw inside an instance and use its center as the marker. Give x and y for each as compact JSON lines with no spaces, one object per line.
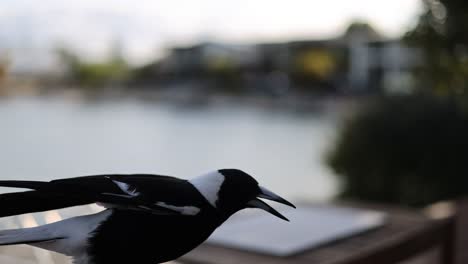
{"x":404,"y":150}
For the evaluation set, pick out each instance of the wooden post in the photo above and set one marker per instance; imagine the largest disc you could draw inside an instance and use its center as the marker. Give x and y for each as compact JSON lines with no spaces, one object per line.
{"x":448,"y":249}
{"x":461,"y":236}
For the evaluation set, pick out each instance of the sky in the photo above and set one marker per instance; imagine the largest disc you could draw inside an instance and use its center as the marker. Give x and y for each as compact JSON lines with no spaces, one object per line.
{"x":145,"y":27}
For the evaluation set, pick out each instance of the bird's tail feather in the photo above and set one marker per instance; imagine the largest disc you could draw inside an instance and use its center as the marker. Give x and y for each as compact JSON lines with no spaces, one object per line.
{"x":36,"y":201}
{"x":26,"y":236}
{"x":35,"y":185}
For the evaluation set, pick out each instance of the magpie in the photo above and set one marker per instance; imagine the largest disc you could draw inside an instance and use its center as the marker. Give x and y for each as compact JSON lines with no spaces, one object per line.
{"x":146,"y":218}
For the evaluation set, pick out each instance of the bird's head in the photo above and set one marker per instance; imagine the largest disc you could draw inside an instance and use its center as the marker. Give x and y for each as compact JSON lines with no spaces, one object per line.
{"x":231,"y":190}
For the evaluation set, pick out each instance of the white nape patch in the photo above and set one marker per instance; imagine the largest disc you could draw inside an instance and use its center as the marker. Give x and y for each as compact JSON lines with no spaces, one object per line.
{"x":209,"y":185}
{"x":185,"y":210}
{"x":126,"y":188}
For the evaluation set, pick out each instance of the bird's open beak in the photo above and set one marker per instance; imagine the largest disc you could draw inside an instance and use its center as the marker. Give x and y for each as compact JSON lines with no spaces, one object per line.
{"x":269,"y":195}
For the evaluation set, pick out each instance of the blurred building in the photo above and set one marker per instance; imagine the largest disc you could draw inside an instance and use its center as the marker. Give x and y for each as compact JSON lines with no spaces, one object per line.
{"x":360,"y":61}
{"x":202,"y":59}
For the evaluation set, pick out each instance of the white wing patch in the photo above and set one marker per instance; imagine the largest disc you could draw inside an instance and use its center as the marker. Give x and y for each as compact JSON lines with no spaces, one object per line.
{"x":126,"y":188}
{"x":76,"y":232}
{"x":209,"y":185}
{"x":185,"y":210}
{"x":83,"y":259}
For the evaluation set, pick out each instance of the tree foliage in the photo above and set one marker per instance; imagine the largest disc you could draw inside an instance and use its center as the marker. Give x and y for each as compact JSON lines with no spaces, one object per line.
{"x":404,"y":150}
{"x":95,"y":74}
{"x":442,"y":35}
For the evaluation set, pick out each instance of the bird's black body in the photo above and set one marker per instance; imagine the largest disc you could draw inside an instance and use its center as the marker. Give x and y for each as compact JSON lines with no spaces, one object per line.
{"x":150,"y":218}
{"x":154,"y":240}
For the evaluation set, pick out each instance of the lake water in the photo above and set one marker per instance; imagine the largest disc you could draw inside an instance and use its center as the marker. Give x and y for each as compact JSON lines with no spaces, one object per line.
{"x":47,"y":138}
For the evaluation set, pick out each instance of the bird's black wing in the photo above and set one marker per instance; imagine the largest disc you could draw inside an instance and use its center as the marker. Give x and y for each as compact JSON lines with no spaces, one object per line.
{"x":105,"y":189}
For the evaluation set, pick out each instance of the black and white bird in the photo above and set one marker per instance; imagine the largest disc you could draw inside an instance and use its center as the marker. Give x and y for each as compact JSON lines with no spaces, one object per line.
{"x":148,"y":218}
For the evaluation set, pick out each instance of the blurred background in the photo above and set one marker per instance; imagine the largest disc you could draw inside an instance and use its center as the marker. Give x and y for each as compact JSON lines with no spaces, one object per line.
{"x":362,"y":100}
